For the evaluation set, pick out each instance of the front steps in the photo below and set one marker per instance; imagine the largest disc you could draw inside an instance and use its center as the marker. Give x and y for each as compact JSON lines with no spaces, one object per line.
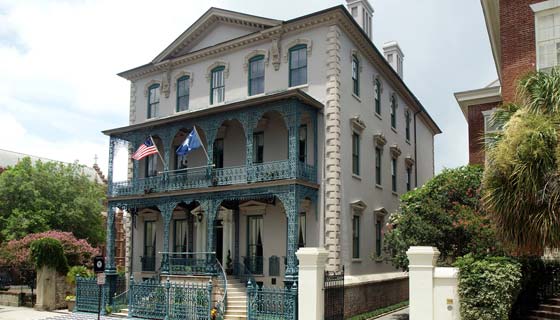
{"x":236,"y":308}
{"x":550,"y":310}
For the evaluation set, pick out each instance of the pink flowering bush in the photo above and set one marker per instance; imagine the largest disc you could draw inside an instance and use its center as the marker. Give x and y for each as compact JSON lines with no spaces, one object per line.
{"x":77,"y":251}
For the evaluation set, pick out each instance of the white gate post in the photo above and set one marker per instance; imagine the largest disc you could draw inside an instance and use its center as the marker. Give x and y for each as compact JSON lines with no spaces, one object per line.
{"x":310,"y":282}
{"x":422,"y":261}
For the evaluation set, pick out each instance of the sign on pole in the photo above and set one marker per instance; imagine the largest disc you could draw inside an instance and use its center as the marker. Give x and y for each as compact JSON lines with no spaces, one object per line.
{"x":100,"y":279}
{"x":98,"y":264}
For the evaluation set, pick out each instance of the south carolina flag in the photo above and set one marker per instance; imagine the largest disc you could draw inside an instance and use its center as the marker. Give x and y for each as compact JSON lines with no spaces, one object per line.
{"x":191,"y":142}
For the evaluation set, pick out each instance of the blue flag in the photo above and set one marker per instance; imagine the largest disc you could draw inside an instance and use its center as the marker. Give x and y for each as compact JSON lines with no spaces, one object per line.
{"x":191,"y":142}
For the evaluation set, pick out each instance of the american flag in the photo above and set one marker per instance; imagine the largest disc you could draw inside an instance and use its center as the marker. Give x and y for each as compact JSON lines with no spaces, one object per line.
{"x":146,"y":149}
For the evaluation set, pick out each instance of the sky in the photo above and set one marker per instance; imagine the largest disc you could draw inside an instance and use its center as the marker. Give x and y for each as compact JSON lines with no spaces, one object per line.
{"x":59,"y":60}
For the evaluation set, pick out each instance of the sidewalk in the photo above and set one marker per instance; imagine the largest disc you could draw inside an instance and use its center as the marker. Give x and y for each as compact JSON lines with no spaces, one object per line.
{"x":399,"y":315}
{"x":23,"y":313}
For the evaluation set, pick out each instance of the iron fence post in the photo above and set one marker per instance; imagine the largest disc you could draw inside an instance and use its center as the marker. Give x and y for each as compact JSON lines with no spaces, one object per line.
{"x":210,"y":307}
{"x":167,"y":297}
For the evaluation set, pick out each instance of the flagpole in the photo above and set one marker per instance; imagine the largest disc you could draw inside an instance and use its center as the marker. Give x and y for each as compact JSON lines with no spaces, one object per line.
{"x":159,"y":154}
{"x":201,"y":144}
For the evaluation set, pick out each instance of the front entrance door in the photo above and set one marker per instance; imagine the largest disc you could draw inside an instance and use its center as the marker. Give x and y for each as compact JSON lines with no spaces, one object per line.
{"x":220,"y":241}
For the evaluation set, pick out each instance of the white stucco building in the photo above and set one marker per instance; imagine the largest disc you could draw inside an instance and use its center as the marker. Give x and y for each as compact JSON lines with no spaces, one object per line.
{"x":312,"y":136}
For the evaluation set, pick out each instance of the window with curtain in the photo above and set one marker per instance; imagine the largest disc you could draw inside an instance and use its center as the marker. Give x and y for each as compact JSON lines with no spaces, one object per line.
{"x":302,"y":143}
{"x":355,"y":75}
{"x":183,"y":91}
{"x":256,"y":75}
{"x":149,"y":238}
{"x":218,"y":153}
{"x":378,"y":236}
{"x":298,"y":65}
{"x":258,"y":147}
{"x":378,"y":166}
{"x":302,"y":230}
{"x":407,"y":124}
{"x":408,"y":178}
{"x":393,"y":112}
{"x":217,"y":86}
{"x":153,"y":101}
{"x":377,"y":94}
{"x":151,"y":165}
{"x":356,"y":237}
{"x":356,"y":153}
{"x":394,"y":175}
{"x":180,"y":236}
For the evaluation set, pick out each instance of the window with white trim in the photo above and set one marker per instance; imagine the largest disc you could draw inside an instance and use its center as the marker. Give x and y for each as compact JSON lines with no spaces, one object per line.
{"x":547,"y":28}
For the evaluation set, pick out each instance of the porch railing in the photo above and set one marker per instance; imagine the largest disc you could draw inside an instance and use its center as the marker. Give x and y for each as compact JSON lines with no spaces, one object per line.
{"x":204,"y":177}
{"x":190,"y":263}
{"x":254,"y":264}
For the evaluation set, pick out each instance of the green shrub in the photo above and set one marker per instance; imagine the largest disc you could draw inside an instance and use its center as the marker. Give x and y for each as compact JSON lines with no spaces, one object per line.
{"x":49,"y":252}
{"x":77,"y":271}
{"x":488,"y":287}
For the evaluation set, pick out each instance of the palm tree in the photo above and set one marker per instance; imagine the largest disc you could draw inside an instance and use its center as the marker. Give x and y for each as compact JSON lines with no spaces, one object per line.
{"x":521,"y":183}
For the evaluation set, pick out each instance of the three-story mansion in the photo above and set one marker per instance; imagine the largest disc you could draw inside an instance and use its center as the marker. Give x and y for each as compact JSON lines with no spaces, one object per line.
{"x":310,"y":136}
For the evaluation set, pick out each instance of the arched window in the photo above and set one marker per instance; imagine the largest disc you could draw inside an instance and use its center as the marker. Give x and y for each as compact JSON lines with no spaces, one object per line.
{"x":377,"y":96}
{"x":393,"y":112}
{"x":355,"y":75}
{"x":153,"y":101}
{"x":298,"y":65}
{"x":256,"y":75}
{"x":217,"y":85}
{"x":183,"y":87}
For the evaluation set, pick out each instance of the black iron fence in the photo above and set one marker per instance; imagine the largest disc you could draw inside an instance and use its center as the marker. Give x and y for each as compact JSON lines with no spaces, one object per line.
{"x":334,"y":295}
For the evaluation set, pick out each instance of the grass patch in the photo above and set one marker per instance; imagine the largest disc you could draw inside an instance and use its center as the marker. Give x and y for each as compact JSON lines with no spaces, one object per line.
{"x":380,"y":311}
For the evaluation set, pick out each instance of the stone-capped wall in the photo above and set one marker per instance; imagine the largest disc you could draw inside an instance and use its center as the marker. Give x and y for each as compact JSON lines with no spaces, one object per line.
{"x":369,"y":296}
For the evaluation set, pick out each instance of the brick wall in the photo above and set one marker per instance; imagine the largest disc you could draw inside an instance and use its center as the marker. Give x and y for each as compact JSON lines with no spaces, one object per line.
{"x":517,"y":36}
{"x":476,"y":131}
{"x":369,"y":296}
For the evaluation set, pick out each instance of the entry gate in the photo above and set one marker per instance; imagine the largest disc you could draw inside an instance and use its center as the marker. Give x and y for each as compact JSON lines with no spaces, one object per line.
{"x":334,"y":295}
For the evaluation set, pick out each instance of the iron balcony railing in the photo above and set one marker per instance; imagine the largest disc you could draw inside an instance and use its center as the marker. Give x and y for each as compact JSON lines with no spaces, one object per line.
{"x":207,"y":177}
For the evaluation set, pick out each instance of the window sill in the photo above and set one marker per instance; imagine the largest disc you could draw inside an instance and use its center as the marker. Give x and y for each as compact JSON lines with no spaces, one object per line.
{"x":408,"y":141}
{"x":379,"y":259}
{"x":394,"y":129}
{"x":378,"y":116}
{"x":356,"y":97}
{"x":394,"y":193}
{"x":258,"y":95}
{"x":355,"y":176}
{"x":378,"y":186}
{"x":301,"y":86}
{"x":356,"y":260}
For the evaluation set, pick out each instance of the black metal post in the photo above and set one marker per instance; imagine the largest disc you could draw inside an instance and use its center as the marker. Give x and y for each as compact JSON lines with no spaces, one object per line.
{"x":99,"y":302}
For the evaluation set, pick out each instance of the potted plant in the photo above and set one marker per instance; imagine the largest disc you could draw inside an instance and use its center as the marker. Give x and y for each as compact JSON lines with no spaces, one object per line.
{"x":70,"y":302}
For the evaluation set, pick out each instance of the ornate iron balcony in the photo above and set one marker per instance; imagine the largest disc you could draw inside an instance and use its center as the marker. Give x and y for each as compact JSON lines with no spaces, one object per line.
{"x":204,"y":178}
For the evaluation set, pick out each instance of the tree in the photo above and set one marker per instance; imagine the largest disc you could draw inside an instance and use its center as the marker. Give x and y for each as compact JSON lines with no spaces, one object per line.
{"x":521,"y":184}
{"x":37,"y":197}
{"x":445,"y":213}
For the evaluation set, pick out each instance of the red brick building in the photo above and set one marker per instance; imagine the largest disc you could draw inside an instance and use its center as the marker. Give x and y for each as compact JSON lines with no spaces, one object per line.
{"x":524,"y":36}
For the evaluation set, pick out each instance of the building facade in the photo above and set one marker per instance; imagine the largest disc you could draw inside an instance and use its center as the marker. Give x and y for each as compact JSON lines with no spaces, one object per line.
{"x":310,"y":136}
{"x":524,"y":36}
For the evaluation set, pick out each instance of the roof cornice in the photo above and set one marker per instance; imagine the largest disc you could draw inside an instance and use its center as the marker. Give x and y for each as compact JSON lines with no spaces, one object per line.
{"x":491,"y":10}
{"x":478,"y":96}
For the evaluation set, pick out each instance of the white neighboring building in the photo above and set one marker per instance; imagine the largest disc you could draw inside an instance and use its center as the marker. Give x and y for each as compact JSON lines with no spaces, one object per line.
{"x":312,"y":136}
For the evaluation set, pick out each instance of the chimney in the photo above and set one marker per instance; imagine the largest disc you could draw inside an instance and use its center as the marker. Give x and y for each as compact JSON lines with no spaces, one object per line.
{"x":362,"y":11}
{"x":394,"y":56}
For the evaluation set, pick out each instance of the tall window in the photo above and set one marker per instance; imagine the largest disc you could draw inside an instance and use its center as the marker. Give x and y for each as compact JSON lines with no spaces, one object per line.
{"x":180,"y":161}
{"x":356,"y":153}
{"x":408,"y":178}
{"x":377,"y":96}
{"x":302,"y":143}
{"x":407,"y":124}
{"x":393,"y":111}
{"x":394,"y":175}
{"x":217,"y":87}
{"x":148,"y":260}
{"x":153,"y":101}
{"x":355,"y":75}
{"x":378,"y":240}
{"x":183,"y":87}
{"x":256,"y":75}
{"x":151,"y":165}
{"x":254,"y":244}
{"x":356,"y":237}
{"x":180,"y":235}
{"x":258,"y":147}
{"x":377,"y":166}
{"x":218,"y":153}
{"x":298,"y":65}
{"x":548,"y":40}
{"x":302,"y":227}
